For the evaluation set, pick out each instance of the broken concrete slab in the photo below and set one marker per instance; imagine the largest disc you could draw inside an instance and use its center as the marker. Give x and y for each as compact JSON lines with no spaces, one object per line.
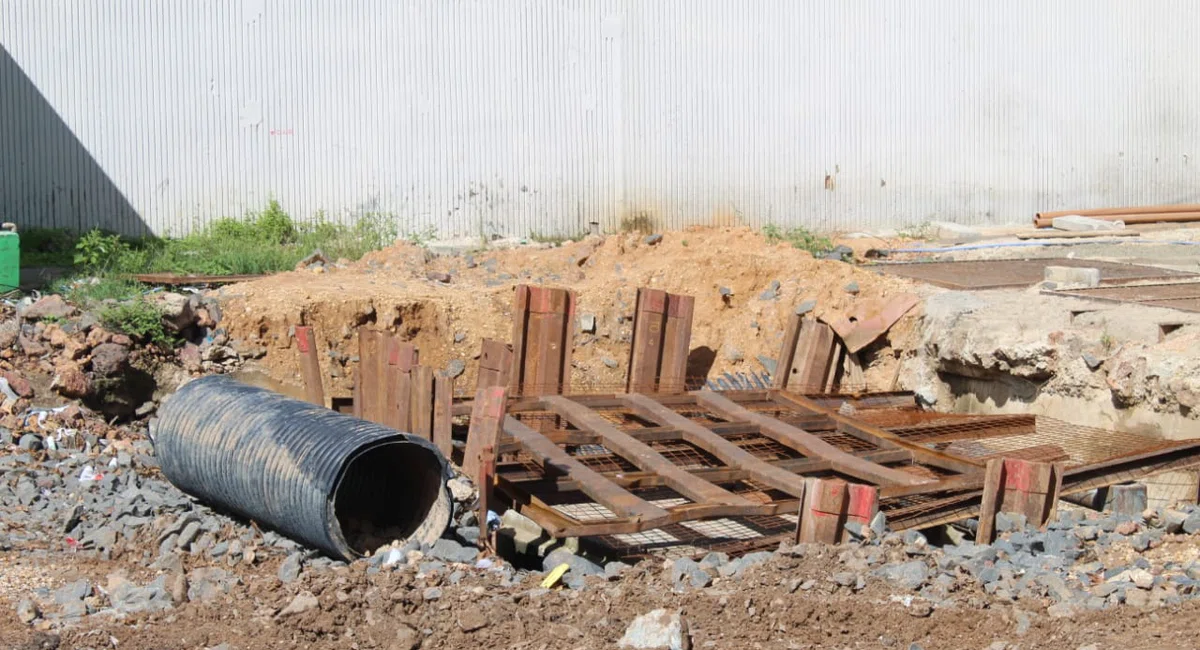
{"x":1073,"y":276}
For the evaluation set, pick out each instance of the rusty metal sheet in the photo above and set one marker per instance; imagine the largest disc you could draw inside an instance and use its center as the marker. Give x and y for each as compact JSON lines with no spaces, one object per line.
{"x":173,"y":279}
{"x":1184,"y":296}
{"x":869,"y":319}
{"x":998,"y":274}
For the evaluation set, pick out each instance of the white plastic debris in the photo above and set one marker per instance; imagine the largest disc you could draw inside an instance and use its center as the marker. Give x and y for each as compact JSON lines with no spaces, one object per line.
{"x":394,"y":556}
{"x":493,"y":520}
{"x":9,"y":395}
{"x":60,"y":438}
{"x":89,"y":473}
{"x":41,"y":414}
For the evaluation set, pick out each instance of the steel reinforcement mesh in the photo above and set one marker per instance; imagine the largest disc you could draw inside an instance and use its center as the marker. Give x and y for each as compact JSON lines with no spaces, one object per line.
{"x":965,"y":435}
{"x":1082,"y":444}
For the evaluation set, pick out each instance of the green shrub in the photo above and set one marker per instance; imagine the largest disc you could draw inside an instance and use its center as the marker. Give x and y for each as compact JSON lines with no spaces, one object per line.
{"x":139,"y":319}
{"x":97,"y":251}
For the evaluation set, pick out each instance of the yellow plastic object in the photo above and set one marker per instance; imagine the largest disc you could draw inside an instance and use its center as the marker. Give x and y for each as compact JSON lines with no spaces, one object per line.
{"x":555,"y":575}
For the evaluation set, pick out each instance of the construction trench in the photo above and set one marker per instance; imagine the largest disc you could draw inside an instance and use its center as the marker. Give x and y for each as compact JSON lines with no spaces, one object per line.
{"x":670,"y":466}
{"x":392,"y":498}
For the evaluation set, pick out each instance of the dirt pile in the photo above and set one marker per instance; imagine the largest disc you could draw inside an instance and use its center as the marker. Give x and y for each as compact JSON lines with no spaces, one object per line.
{"x":54,"y":354}
{"x":446,"y":305}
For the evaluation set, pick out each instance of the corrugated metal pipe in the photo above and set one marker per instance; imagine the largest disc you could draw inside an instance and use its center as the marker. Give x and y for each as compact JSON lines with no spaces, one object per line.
{"x":331,"y":481}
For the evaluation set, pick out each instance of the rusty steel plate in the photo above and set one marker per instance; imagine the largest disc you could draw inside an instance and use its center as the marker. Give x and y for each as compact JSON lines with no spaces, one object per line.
{"x":1000,"y":274}
{"x":1184,"y":296}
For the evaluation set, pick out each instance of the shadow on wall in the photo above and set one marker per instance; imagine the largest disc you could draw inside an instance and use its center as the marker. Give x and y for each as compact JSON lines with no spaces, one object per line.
{"x":47,"y":177}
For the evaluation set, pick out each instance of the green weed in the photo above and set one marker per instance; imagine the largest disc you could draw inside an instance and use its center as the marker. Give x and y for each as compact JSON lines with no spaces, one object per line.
{"x":89,"y":292}
{"x":922,"y":231}
{"x":638,"y":222}
{"x":95,"y":250}
{"x":261,"y":242}
{"x":799,"y":237}
{"x":423,"y":236}
{"x":138,"y":319}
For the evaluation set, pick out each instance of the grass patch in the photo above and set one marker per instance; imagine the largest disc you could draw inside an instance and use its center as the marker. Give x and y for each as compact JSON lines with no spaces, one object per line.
{"x":799,"y":237}
{"x":267,"y":241}
{"x":262,"y":242}
{"x":90,"y":292}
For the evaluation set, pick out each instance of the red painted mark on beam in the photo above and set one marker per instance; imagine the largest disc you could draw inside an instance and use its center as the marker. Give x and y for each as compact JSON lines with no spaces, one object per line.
{"x":303,"y":336}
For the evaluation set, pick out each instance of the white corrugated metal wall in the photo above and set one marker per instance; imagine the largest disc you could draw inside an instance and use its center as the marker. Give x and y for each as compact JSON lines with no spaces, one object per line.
{"x":521,"y":116}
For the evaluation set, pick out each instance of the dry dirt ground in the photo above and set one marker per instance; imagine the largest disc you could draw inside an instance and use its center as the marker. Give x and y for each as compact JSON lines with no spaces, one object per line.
{"x":446,"y":321}
{"x":350,"y":608}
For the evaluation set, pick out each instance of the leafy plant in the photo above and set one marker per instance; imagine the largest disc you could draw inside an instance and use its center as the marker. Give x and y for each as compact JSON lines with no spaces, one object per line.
{"x":139,"y":319}
{"x":423,"y":236}
{"x":96,"y":251}
{"x":799,"y":237}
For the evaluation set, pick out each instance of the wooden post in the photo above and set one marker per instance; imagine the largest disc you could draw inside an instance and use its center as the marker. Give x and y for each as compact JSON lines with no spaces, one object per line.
{"x":371,"y":377}
{"x":401,"y":359}
{"x":829,"y":504}
{"x":495,"y":364}
{"x":677,"y":343}
{"x":1021,"y":486}
{"x":310,"y":365}
{"x":479,"y":458}
{"x":420,"y":416}
{"x":645,"y":352}
{"x":543,"y":336}
{"x":783,"y":363}
{"x":443,"y":399}
{"x":809,"y":359}
{"x":662,"y":335}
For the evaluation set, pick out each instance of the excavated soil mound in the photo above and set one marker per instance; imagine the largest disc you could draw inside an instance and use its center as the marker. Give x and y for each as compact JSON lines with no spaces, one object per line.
{"x":393,"y":290}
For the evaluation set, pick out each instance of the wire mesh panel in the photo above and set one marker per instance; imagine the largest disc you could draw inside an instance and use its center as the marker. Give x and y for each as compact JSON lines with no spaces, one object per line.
{"x":633,"y":448}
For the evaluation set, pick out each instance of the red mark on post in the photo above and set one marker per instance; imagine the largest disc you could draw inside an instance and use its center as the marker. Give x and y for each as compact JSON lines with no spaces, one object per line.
{"x":283,"y":131}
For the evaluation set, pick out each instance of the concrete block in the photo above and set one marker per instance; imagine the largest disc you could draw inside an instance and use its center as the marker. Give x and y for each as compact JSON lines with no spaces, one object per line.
{"x":1126,"y":499}
{"x":1076,"y":223}
{"x":1071,"y":275}
{"x":955,"y":232}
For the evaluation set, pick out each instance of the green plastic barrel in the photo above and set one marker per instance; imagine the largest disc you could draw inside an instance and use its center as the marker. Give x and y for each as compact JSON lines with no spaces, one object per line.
{"x":10,"y":260}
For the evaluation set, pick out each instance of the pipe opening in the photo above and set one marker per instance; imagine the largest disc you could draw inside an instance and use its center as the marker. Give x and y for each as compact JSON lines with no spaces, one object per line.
{"x":393,"y":492}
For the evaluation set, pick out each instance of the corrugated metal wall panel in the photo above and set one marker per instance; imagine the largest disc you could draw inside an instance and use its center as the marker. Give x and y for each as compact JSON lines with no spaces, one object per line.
{"x":481,"y":118}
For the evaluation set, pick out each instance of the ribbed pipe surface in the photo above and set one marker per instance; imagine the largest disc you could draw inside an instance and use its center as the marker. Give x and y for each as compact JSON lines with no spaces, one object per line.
{"x":331,"y":481}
